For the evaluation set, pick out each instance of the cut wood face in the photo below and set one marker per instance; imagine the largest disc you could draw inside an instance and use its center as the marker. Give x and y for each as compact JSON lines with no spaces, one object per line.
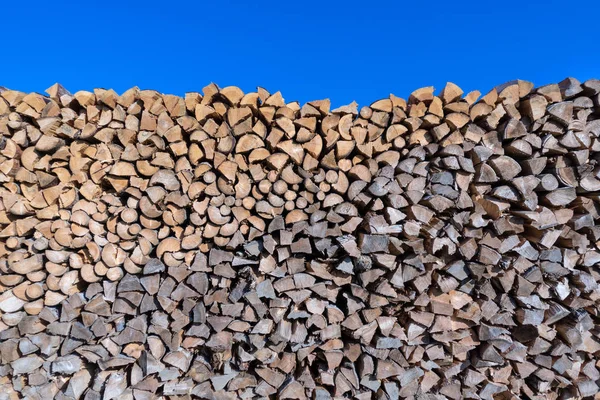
{"x":224,"y":245}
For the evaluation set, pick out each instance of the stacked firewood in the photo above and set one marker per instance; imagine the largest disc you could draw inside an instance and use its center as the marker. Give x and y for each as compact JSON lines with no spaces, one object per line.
{"x":228,"y":245}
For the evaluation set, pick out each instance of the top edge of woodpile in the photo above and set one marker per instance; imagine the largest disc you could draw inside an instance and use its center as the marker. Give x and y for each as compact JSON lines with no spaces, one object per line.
{"x":226,"y":245}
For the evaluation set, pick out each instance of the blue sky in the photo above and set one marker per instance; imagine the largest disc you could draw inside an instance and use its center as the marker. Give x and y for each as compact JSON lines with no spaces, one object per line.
{"x":342,"y":50}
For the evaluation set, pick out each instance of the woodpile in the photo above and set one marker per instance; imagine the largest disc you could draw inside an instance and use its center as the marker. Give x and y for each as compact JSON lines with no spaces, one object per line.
{"x":228,"y":245}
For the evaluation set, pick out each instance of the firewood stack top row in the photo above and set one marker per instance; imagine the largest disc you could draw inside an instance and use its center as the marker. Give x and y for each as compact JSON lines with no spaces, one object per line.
{"x":234,"y":246}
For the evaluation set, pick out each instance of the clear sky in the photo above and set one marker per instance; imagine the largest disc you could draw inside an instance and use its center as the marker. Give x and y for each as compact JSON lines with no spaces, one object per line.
{"x":343,"y":50}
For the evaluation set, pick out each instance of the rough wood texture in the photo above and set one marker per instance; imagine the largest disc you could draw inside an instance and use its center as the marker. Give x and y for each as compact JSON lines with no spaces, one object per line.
{"x":228,"y":245}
